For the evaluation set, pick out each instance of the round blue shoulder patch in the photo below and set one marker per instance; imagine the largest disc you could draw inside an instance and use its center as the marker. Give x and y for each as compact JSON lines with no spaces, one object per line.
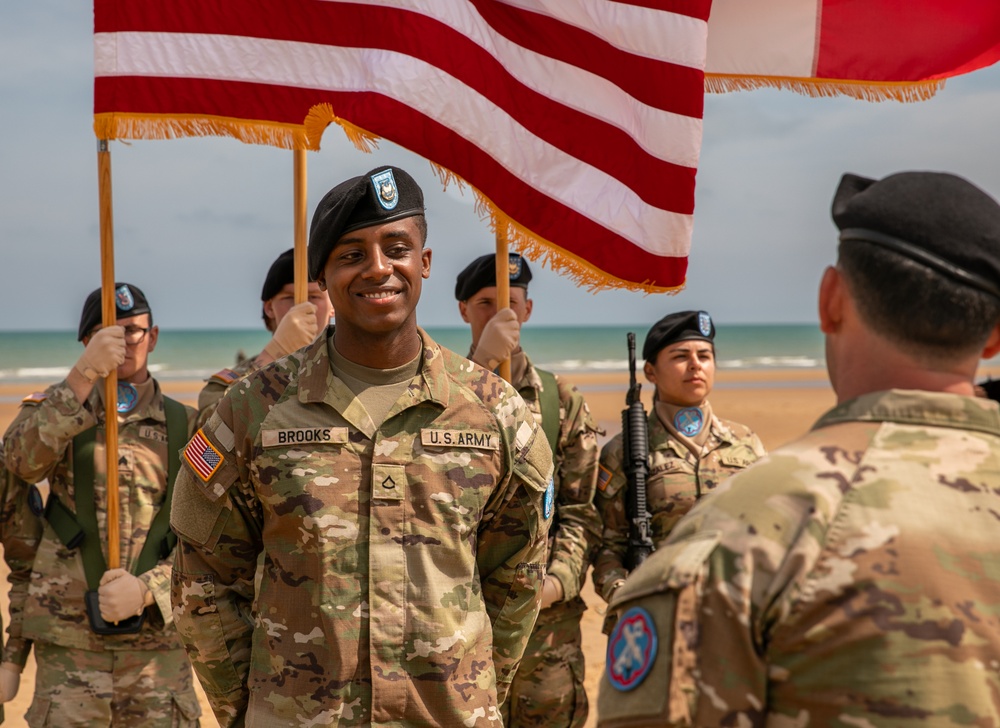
{"x":127,"y":397}
{"x":689,"y":421}
{"x":631,"y":649}
{"x":549,"y":503}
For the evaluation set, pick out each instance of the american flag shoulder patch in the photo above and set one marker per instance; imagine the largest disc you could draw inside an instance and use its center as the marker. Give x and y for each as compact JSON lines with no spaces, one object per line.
{"x":202,"y":456}
{"x":603,"y":477}
{"x":226,"y":376}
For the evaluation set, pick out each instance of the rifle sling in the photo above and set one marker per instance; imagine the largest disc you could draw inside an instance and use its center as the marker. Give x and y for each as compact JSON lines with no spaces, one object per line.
{"x":548,"y":401}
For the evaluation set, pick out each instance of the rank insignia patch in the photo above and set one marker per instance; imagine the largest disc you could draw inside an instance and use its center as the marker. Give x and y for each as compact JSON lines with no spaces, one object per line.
{"x":631,"y":649}
{"x":385,"y":189}
{"x":202,"y":456}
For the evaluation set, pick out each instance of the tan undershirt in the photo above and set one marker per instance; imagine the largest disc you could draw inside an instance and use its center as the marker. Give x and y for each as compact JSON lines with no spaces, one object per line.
{"x":376,"y":389}
{"x":666,"y":412}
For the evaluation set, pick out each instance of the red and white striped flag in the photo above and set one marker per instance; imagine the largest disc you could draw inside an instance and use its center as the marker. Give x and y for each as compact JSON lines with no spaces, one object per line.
{"x":577,"y":122}
{"x":869,"y":49}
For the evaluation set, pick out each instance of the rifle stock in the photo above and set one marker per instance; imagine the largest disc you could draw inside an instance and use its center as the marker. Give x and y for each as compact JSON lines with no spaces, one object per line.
{"x":635,"y":457}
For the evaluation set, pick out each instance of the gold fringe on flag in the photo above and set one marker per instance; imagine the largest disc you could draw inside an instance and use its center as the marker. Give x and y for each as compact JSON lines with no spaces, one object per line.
{"x":114,"y":125}
{"x":536,"y":248}
{"x":533,"y":247}
{"x":902,"y":91}
{"x":321,"y":116}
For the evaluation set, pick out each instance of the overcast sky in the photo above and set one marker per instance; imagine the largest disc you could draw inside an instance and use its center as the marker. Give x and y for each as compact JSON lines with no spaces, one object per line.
{"x":198,"y":221}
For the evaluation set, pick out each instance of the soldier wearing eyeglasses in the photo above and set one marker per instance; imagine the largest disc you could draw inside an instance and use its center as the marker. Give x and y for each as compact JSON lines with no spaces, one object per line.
{"x":93,"y":669}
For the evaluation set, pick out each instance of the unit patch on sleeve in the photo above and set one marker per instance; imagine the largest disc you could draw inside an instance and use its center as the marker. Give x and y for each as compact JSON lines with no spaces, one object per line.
{"x":631,"y":649}
{"x":304,"y":436}
{"x":202,"y":456}
{"x":459,"y":438}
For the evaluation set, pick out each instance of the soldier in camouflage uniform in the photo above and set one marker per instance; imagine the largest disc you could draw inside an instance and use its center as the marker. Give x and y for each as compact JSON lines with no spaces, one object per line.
{"x":20,"y":530}
{"x":84,"y":678}
{"x":395,"y":489}
{"x":548,"y":688}
{"x":850,"y":578}
{"x":292,"y":326}
{"x":691,"y":449}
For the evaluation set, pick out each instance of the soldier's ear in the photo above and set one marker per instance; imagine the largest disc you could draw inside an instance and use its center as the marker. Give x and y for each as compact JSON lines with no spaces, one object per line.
{"x":650,"y":372}
{"x":831,"y":300}
{"x":992,"y":346}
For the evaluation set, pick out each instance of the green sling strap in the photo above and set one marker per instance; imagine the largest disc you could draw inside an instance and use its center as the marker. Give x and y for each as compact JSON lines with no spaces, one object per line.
{"x":160,"y":540}
{"x":548,"y":401}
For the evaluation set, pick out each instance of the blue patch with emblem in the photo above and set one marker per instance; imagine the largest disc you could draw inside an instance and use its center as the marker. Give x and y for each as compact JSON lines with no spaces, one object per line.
{"x":386,"y":191}
{"x":124,"y":299}
{"x":689,"y":421}
{"x":127,"y":397}
{"x":549,"y":503}
{"x":704,"y":323}
{"x":631,"y":649}
{"x":514,"y":265}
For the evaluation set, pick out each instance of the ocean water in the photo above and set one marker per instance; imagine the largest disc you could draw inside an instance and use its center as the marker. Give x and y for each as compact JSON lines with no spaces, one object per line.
{"x":46,"y":356}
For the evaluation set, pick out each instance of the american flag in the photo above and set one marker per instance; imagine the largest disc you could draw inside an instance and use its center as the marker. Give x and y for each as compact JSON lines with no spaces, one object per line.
{"x":202,"y":456}
{"x":577,"y":123}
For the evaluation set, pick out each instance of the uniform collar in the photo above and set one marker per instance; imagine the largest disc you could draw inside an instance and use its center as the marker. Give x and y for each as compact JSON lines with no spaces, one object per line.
{"x":150,"y":409}
{"x":915,"y":407}
{"x":661,"y":439}
{"x":317,"y":383}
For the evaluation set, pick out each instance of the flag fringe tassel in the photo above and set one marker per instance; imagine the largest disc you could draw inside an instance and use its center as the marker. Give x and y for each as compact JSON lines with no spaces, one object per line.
{"x":583,"y":273}
{"x":116,"y":125}
{"x":904,"y":92}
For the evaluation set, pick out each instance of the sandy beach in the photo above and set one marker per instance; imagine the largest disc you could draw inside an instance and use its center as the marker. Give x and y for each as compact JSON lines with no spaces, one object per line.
{"x":778,"y":404}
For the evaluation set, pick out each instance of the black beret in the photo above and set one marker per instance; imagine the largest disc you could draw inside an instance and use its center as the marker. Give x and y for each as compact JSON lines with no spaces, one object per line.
{"x":129,"y":301}
{"x":482,"y":272}
{"x":674,"y":327}
{"x":939,"y":220}
{"x":383,"y":195}
{"x":279,"y":275}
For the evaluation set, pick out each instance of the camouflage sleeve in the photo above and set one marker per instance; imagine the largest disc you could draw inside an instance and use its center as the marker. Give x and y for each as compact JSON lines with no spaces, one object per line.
{"x":577,"y":530}
{"x":512,"y":545}
{"x":215,"y":562}
{"x":41,"y":432}
{"x":20,"y":531}
{"x":217,"y":385}
{"x":609,"y":562}
{"x":158,"y":579}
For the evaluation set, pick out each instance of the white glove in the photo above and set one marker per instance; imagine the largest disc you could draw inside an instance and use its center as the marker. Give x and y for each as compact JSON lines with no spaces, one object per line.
{"x":10,"y":681}
{"x":122,"y":595}
{"x":105,"y":352}
{"x":552,"y":591}
{"x":297,"y":328}
{"x":500,"y":337}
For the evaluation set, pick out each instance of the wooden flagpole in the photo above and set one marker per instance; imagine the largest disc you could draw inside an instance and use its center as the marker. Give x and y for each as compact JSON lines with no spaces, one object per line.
{"x":503,"y":285}
{"x":109,"y":318}
{"x":299,"y":260}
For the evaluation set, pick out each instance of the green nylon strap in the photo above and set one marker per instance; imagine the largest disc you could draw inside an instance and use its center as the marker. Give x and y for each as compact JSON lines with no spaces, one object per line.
{"x":160,"y":539}
{"x":548,"y":401}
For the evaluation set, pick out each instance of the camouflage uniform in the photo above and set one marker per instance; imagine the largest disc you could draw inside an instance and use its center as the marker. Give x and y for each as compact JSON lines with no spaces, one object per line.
{"x":848,"y":580}
{"x":548,"y":687}
{"x":39,"y":444}
{"x":677,"y":479}
{"x":217,"y":385}
{"x":20,"y":530}
{"x":402,"y":563}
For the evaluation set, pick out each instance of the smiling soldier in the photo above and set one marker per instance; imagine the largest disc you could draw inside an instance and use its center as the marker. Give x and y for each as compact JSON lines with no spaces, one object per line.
{"x":403,"y":536}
